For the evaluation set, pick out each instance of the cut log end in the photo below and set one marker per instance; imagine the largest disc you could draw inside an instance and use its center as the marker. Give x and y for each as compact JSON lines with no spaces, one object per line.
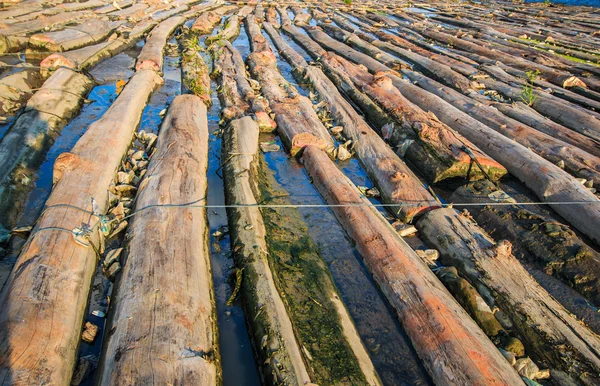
{"x":574,"y":81}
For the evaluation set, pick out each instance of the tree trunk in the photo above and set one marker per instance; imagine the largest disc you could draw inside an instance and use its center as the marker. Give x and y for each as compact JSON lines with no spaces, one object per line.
{"x":166,"y":269}
{"x":89,"y":32}
{"x":17,"y":88}
{"x":45,"y":297}
{"x":453,"y":348}
{"x":209,"y":20}
{"x":151,"y":56}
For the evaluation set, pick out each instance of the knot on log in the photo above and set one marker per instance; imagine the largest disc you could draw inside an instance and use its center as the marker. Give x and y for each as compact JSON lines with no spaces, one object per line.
{"x":64,"y":163}
{"x":502,"y":249}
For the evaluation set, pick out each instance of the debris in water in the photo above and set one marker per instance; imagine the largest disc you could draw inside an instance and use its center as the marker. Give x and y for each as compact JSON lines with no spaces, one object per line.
{"x":85,"y":366}
{"x":267,"y":147}
{"x":98,"y":313}
{"x":90,"y":331}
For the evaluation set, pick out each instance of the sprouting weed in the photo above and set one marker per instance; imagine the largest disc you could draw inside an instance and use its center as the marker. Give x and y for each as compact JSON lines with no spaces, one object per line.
{"x":527,"y":94}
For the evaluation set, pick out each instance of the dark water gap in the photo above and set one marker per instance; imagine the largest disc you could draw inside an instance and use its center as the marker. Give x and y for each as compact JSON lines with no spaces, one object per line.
{"x":388,"y":345}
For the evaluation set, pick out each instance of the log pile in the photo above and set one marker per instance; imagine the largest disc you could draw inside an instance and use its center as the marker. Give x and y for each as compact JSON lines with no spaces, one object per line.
{"x":457,"y":145}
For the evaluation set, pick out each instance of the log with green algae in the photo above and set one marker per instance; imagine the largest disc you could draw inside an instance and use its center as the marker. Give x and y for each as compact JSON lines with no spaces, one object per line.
{"x":548,"y":244}
{"x":307,"y":289}
{"x":194,"y":68}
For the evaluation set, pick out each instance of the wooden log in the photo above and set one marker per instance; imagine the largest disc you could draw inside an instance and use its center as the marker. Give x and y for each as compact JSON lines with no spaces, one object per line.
{"x":207,"y":21}
{"x":89,"y":32}
{"x":283,"y":359}
{"x":110,"y":7}
{"x":87,"y":57}
{"x":271,"y":17}
{"x":33,"y":133}
{"x":396,"y":182}
{"x":133,"y":13}
{"x":298,"y":124}
{"x":151,"y":56}
{"x":230,"y":31}
{"x":577,"y":162}
{"x":452,"y":347}
{"x":167,"y":267}
{"x":17,"y":88}
{"x":44,"y":300}
{"x":544,"y":324}
{"x":437,"y":150}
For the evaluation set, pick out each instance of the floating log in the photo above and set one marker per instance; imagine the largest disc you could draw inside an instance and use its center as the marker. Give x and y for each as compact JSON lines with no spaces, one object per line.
{"x":452,"y":347}
{"x":33,"y":133}
{"x":151,"y":56}
{"x":89,"y":32}
{"x":44,"y":299}
{"x":167,"y":267}
{"x":87,"y":57}
{"x":396,"y":182}
{"x":281,"y":360}
{"x":17,"y":88}
{"x":297,"y":123}
{"x":544,"y":324}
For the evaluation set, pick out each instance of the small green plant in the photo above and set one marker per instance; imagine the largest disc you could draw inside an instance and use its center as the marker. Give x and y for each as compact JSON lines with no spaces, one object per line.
{"x":547,"y":3}
{"x":348,"y":2}
{"x":527,"y":94}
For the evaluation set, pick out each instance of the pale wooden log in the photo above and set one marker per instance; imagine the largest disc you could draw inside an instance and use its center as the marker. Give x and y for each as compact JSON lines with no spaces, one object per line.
{"x":545,"y":325}
{"x":453,"y":348}
{"x":71,"y":38}
{"x":297,"y":122}
{"x":44,"y":300}
{"x":577,"y":162}
{"x":17,"y":88}
{"x":32,"y":134}
{"x":283,"y":360}
{"x":71,"y":7}
{"x":87,"y":57}
{"x":271,"y":16}
{"x":133,"y":13}
{"x":167,"y":267}
{"x":230,"y":31}
{"x":151,"y":56}
{"x":206,"y":22}
{"x":111,"y":8}
{"x":396,"y":182}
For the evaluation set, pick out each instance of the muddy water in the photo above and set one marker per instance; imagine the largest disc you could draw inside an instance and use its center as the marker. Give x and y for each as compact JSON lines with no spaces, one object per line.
{"x":389,"y":347}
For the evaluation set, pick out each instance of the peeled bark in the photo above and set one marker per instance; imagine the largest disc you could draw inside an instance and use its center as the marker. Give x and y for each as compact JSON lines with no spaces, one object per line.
{"x":151,"y":56}
{"x":544,"y":324}
{"x":89,"y":32}
{"x":33,"y":133}
{"x":44,"y":300}
{"x":167,"y":267}
{"x":452,"y":347}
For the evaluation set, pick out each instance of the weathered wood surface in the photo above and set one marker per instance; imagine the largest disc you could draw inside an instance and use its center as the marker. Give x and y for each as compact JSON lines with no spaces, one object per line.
{"x":44,"y":300}
{"x":297,"y":123}
{"x":87,"y":57}
{"x":163,"y":319}
{"x":450,"y":344}
{"x":206,"y":22}
{"x":17,"y":88}
{"x":71,"y":38}
{"x":545,"y":325}
{"x":282,"y":360}
{"x":33,"y":133}
{"x":151,"y":56}
{"x":396,"y":182}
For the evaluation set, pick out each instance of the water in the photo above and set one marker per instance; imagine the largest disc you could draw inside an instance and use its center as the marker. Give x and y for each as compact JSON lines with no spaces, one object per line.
{"x":587,"y":3}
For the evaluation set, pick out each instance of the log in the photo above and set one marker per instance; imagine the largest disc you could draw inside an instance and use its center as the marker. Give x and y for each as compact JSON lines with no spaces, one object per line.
{"x":230,"y":30}
{"x":45,"y":297}
{"x":133,"y":13}
{"x":151,"y":56}
{"x":283,"y":359}
{"x":17,"y":88}
{"x":297,"y":123}
{"x":167,"y":267}
{"x":89,"y":32}
{"x":396,"y":182}
{"x":207,"y":21}
{"x":577,"y":162}
{"x":452,"y":347}
{"x":87,"y":57}
{"x":271,"y":16}
{"x":33,"y":133}
{"x":544,"y":324}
